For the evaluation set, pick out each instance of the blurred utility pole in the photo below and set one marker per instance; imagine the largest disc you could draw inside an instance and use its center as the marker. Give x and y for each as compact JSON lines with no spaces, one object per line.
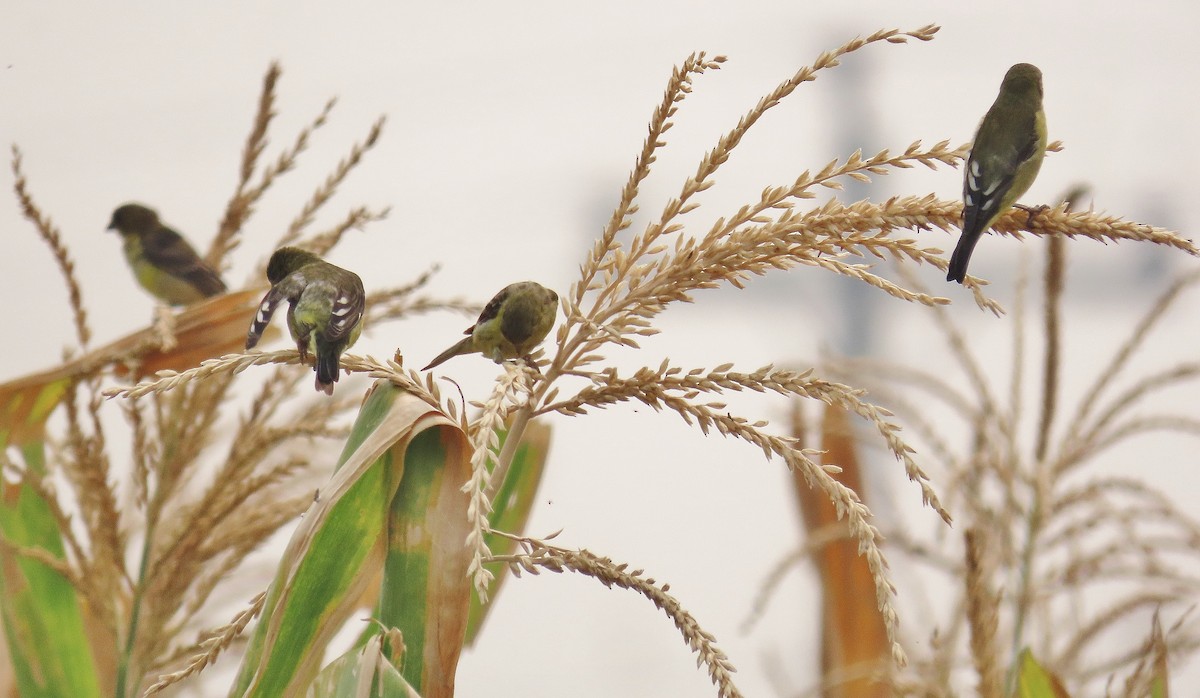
{"x":852,"y":128}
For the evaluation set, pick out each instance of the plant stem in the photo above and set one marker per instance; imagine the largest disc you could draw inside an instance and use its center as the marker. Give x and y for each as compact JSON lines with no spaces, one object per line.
{"x":134,"y":613}
{"x":153,"y":512}
{"x":1041,"y":487}
{"x":511,"y":441}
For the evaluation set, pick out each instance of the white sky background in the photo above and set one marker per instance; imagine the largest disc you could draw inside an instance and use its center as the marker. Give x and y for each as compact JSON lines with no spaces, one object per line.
{"x":511,"y":129}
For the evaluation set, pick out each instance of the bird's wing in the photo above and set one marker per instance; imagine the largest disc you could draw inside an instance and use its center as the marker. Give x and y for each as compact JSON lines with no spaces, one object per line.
{"x":262,"y":318}
{"x":990,"y":178}
{"x":492,"y":309}
{"x":520,"y":317}
{"x":167,"y":250}
{"x":348,"y":306}
{"x":983,"y":189}
{"x":288,"y":289}
{"x":1028,"y":146}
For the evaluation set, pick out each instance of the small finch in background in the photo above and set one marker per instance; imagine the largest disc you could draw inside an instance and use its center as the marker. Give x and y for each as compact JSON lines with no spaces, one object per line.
{"x":1005,"y":158}
{"x":512,"y":324}
{"x":161,"y":260}
{"x":325,"y":312}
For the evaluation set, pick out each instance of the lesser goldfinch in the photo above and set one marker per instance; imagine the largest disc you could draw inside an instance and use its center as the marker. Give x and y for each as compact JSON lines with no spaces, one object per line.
{"x":511,"y":325}
{"x":1008,"y":152}
{"x":325,"y":311}
{"x":162,"y":261}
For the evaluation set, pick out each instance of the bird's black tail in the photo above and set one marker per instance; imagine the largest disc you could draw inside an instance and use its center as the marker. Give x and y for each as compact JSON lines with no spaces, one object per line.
{"x":961,"y":257}
{"x":327,"y":368}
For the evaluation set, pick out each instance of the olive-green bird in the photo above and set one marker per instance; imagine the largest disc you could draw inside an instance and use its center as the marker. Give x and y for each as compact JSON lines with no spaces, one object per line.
{"x":1008,"y":152}
{"x":325,"y":312}
{"x":512,"y":324}
{"x":162,"y":261}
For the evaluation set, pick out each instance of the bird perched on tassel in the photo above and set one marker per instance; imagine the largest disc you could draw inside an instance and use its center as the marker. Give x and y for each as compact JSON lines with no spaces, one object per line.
{"x":511,"y":325}
{"x":162,"y":261}
{"x":1005,"y":158}
{"x":325,"y":311}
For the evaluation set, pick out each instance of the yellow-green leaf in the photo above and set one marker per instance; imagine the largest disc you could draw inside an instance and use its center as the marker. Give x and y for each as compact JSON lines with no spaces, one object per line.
{"x":365,"y":672}
{"x":47,"y":642}
{"x":1033,"y":681}
{"x":342,"y":542}
{"x":426,"y":589}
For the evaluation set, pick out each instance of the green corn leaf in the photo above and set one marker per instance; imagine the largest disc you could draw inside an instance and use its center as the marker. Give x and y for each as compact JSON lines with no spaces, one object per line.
{"x":1159,"y":652}
{"x":43,"y":621}
{"x":426,"y":589}
{"x":1033,"y":681}
{"x":399,"y":450}
{"x":365,"y":672}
